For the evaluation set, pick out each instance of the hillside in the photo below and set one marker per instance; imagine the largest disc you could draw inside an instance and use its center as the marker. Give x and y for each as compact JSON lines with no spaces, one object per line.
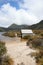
{"x":38,"y":26}
{"x":17,"y":27}
{"x":35,"y":26}
{"x":12,"y":25}
{"x":2,"y":29}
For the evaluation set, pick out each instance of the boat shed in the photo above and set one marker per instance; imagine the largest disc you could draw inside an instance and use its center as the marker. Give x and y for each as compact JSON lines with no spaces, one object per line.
{"x":26,"y":32}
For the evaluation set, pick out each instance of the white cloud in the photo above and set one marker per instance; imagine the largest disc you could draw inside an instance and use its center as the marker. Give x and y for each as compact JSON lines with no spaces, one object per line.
{"x":9,"y":15}
{"x":33,"y":6}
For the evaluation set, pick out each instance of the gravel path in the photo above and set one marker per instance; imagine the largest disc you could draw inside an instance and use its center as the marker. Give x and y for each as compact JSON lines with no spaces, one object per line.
{"x":20,"y":53}
{"x":18,"y":50}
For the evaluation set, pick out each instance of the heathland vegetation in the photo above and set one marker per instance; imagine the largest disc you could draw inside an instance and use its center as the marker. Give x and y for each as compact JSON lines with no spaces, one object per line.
{"x":36,"y":42}
{"x":4,"y":57}
{"x":12,"y":33}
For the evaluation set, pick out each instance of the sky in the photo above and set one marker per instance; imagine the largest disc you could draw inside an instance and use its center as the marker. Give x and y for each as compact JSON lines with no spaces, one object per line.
{"x":20,"y":12}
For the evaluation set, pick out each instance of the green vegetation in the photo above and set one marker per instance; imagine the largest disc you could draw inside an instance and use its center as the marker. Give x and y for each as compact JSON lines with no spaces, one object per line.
{"x":4,"y":58}
{"x":38,"y":32}
{"x":2,"y":48}
{"x":9,"y":34}
{"x":12,"y":34}
{"x":36,"y":42}
{"x":1,"y":29}
{"x":18,"y":33}
{"x":27,"y":37}
{"x":38,"y":26}
{"x":31,"y":38}
{"x":39,"y":58}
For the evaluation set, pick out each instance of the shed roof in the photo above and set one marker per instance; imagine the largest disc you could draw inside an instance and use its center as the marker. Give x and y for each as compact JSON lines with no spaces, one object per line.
{"x":26,"y":31}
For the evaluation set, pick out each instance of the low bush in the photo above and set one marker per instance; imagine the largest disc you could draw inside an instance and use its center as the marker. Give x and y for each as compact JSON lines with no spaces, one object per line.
{"x":4,"y":58}
{"x":2,"y":48}
{"x":9,"y":34}
{"x":38,"y":32}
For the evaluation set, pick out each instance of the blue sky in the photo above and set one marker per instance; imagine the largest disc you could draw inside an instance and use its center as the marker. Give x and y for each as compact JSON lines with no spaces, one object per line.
{"x":13,"y":3}
{"x":20,"y":12}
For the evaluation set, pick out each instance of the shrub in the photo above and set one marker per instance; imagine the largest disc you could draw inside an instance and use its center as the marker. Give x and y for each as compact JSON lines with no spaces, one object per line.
{"x":38,"y":32}
{"x":7,"y":60}
{"x":41,"y":34}
{"x":27,"y":37}
{"x":2,"y":48}
{"x":9,"y":34}
{"x":31,"y":38}
{"x":37,"y":43}
{"x":4,"y":58}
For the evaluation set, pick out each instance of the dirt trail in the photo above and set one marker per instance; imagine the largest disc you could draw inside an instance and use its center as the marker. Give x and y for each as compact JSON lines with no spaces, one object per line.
{"x":20,"y":53}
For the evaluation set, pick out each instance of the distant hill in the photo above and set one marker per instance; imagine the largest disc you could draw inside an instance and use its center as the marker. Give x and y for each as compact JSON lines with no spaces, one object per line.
{"x":17,"y":27}
{"x":2,"y":29}
{"x":38,"y":26}
{"x":12,"y":25}
{"x":35,"y":26}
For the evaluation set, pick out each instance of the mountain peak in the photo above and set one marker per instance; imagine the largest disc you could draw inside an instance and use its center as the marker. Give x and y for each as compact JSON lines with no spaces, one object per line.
{"x":41,"y":22}
{"x":12,"y":25}
{"x":38,"y":26}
